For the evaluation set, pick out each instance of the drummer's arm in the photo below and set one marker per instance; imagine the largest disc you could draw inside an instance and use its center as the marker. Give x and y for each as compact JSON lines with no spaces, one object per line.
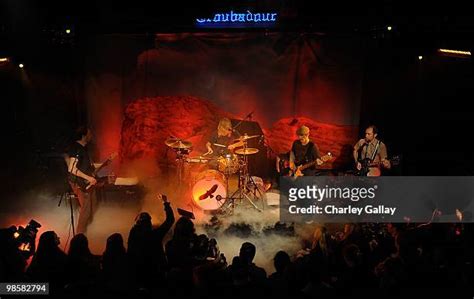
{"x":235,"y":145}
{"x":209,"y":149}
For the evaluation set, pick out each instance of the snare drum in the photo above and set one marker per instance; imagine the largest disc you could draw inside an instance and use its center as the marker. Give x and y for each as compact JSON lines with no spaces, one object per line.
{"x":209,"y":190}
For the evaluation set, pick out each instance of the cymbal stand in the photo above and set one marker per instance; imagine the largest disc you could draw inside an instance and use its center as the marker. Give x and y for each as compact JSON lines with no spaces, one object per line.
{"x":245,"y":180}
{"x":180,"y":159}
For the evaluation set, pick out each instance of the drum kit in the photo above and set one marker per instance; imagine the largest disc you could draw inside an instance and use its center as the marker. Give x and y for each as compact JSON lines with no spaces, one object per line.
{"x":210,"y":188}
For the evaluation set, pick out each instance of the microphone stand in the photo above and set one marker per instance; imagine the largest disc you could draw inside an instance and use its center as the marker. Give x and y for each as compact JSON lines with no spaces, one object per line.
{"x":249,"y":116}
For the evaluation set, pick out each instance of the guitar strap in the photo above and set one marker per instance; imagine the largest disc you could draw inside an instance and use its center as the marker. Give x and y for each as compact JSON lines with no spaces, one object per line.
{"x":375,"y":151}
{"x":74,"y":177}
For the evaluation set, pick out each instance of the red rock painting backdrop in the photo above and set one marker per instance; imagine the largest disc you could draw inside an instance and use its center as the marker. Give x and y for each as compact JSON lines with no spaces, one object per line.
{"x":150,"y":121}
{"x":141,"y":91}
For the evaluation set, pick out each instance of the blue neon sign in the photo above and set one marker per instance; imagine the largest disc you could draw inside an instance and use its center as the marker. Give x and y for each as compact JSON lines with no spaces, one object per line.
{"x":235,"y":19}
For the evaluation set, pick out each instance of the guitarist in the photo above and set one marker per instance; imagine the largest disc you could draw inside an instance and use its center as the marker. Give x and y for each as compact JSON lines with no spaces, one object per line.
{"x":370,"y":154}
{"x":304,"y":151}
{"x":81,"y":170}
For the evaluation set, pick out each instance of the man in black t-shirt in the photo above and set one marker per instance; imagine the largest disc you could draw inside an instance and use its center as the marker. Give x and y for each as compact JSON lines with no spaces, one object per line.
{"x":81,"y":177}
{"x":304,"y":151}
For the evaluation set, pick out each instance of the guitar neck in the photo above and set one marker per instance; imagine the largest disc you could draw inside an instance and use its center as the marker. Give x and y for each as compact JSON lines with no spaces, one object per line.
{"x":307,"y":165}
{"x":105,"y":163}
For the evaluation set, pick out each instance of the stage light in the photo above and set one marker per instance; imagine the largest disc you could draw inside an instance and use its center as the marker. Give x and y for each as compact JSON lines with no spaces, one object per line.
{"x":389,"y":28}
{"x":68,"y":31}
{"x":21,"y":65}
{"x":3,"y":59}
{"x":454,"y":52}
{"x":420,"y":57}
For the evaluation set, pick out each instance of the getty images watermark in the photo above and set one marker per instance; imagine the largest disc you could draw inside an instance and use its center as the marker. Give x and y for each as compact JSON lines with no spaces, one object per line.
{"x":319,"y":194}
{"x":376,"y":199}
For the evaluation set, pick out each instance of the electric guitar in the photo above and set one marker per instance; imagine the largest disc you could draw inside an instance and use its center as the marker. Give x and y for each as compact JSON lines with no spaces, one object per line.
{"x":85,"y":185}
{"x":374,"y":168}
{"x":285,"y":169}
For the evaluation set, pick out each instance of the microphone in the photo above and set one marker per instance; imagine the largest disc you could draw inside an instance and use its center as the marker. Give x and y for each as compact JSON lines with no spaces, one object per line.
{"x":208,"y":193}
{"x":249,"y":116}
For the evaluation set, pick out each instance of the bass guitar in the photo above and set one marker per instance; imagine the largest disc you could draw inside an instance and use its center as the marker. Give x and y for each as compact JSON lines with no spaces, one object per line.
{"x":370,"y":168}
{"x":85,"y":185}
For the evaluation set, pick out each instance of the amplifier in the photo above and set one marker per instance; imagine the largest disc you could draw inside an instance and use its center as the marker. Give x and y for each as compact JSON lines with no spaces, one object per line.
{"x":121,"y":194}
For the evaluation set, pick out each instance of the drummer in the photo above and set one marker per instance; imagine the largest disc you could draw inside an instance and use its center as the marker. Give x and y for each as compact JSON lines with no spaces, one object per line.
{"x":223,"y":141}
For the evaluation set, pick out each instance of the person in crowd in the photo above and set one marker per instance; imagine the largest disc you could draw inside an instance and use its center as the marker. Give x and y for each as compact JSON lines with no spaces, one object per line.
{"x":49,"y":263}
{"x":145,"y":248}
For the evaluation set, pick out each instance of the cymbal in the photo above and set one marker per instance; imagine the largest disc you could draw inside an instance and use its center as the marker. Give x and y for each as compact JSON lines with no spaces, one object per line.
{"x":199,"y":159}
{"x":246,"y":137}
{"x":178,"y":143}
{"x":247,"y":151}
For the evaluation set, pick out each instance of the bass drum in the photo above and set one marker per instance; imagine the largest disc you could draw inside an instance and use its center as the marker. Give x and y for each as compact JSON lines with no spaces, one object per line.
{"x":209,"y":191}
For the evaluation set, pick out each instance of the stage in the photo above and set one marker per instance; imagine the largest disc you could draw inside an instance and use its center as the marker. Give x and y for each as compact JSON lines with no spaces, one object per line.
{"x":182,"y":123}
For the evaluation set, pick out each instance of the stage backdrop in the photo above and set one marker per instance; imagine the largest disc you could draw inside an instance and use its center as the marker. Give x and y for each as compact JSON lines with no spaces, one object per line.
{"x":273,"y":78}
